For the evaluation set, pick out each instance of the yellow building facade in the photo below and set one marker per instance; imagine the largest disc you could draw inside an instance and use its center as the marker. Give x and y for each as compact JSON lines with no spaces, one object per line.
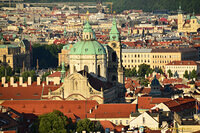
{"x":156,"y":58}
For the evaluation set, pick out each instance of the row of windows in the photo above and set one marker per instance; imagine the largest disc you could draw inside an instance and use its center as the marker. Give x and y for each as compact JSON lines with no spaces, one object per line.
{"x":161,"y":61}
{"x":136,"y":55}
{"x":190,"y":67}
{"x":166,"y":56}
{"x":119,"y":122}
{"x":136,"y":61}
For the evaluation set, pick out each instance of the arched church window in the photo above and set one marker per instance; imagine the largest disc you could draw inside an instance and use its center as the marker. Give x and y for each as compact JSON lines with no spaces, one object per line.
{"x":86,"y":68}
{"x":114,"y":57}
{"x":98,"y":70}
{"x":76,"y":85}
{"x":74,"y":68}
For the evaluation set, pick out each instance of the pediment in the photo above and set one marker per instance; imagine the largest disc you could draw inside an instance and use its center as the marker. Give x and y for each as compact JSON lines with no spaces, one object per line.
{"x":75,"y":76}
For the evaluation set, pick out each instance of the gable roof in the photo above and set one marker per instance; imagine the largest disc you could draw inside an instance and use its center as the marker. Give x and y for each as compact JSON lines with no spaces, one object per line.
{"x":113,"y":111}
{"x":149,"y":102}
{"x":180,"y":104}
{"x":33,"y":91}
{"x":38,"y":107}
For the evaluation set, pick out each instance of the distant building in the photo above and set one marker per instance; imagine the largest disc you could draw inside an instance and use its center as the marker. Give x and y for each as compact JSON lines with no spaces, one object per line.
{"x":179,"y":67}
{"x":188,"y":25}
{"x":156,"y":58}
{"x":16,"y":55}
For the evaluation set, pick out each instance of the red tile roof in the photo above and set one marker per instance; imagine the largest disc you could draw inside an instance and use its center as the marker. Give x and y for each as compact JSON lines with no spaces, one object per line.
{"x":38,"y":107}
{"x":143,"y":90}
{"x":113,"y":111}
{"x":181,"y":86}
{"x":182,"y":63}
{"x":33,"y":91}
{"x":55,"y":74}
{"x":107,"y":124}
{"x":129,"y":83}
{"x":149,"y":102}
{"x":180,"y":104}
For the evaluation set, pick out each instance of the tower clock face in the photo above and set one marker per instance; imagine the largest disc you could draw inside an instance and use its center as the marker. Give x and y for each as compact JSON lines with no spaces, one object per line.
{"x":114,"y":45}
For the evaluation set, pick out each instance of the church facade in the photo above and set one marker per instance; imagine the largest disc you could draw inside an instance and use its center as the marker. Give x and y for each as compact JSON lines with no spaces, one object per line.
{"x":96,"y":71}
{"x":190,"y":24}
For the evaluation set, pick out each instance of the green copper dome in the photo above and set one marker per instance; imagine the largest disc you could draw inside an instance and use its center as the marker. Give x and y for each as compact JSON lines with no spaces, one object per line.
{"x":88,"y":48}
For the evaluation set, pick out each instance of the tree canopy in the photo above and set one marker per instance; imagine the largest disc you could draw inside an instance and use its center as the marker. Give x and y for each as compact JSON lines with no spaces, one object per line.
{"x":145,"y":5}
{"x":85,"y":125}
{"x":47,"y":55}
{"x":55,"y":122}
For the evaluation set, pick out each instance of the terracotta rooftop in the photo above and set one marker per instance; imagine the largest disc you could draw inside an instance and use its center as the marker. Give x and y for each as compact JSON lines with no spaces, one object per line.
{"x":182,"y":63}
{"x":38,"y":107}
{"x":149,"y":102}
{"x":107,"y":124}
{"x":180,"y":104}
{"x":33,"y":91}
{"x":113,"y":111}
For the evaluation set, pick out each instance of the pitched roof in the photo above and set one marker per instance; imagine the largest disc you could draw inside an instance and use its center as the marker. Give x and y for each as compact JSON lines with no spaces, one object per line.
{"x":180,"y":104}
{"x":107,"y":124}
{"x":113,"y":111}
{"x":38,"y":107}
{"x":33,"y":91}
{"x":150,"y":102}
{"x":182,"y":63}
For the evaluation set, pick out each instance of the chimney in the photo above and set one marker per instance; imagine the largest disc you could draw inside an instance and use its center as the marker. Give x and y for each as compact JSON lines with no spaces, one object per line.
{"x":47,"y":81}
{"x":20,"y":80}
{"x":29,"y":80}
{"x":90,"y":111}
{"x":56,"y":80}
{"x":3,"y":79}
{"x":38,"y":81}
{"x":11,"y":81}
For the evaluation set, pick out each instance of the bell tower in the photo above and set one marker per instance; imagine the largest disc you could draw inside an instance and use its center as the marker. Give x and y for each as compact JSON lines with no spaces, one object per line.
{"x":180,"y":20}
{"x":115,"y":69}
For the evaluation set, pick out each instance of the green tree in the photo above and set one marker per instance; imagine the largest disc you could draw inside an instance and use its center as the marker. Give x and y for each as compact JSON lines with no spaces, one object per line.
{"x":143,"y":70}
{"x":27,"y":74}
{"x":85,"y":125}
{"x":130,"y":72}
{"x":6,"y":71}
{"x":54,"y":122}
{"x":143,"y":81}
{"x":186,"y":74}
{"x":193,"y":74}
{"x":170,"y":73}
{"x":98,"y":127}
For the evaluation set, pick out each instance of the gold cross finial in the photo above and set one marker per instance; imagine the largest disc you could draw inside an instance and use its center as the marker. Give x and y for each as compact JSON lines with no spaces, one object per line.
{"x":87,"y":13}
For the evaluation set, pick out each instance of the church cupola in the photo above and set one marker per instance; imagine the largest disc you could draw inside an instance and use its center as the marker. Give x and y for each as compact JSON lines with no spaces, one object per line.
{"x":114,"y":33}
{"x":88,"y":33}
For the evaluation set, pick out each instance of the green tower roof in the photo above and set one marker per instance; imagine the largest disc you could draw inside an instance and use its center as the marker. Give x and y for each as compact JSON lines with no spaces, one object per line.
{"x":87,"y":27}
{"x":114,"y":33}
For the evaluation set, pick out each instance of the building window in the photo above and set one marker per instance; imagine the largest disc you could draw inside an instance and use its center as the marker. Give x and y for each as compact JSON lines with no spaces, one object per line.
{"x":116,"y":121}
{"x":143,"y":119}
{"x":126,"y":121}
{"x":120,"y":121}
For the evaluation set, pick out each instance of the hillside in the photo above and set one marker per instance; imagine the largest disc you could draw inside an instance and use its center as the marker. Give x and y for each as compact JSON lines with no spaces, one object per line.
{"x":147,"y":5}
